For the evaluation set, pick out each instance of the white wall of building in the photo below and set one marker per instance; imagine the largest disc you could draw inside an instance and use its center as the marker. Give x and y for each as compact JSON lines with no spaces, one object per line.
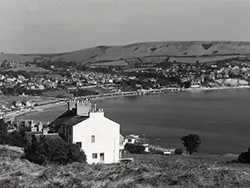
{"x":107,"y":135}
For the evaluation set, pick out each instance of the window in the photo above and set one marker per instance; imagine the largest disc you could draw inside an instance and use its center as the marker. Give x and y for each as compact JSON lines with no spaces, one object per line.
{"x":94,"y":155}
{"x":79,"y":144}
{"x":92,"y":138}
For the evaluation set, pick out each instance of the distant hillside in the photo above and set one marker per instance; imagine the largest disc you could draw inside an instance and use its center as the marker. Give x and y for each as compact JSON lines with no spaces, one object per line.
{"x":157,"y":51}
{"x":15,"y":58}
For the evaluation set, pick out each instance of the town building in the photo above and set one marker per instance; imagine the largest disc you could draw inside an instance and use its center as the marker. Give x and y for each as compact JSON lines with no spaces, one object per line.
{"x":85,"y":125}
{"x":131,"y":139}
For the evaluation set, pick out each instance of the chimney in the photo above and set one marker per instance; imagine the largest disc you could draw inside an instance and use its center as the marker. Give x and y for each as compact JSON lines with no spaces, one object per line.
{"x":40,"y":126}
{"x":45,"y":130}
{"x":33,"y":129}
{"x":83,"y":107}
{"x":71,"y":104}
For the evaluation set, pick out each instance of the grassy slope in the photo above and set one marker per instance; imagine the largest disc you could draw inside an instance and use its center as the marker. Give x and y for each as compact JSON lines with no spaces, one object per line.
{"x":151,"y":49}
{"x":147,"y":50}
{"x":15,"y":58}
{"x":149,"y":171}
{"x":28,"y":69}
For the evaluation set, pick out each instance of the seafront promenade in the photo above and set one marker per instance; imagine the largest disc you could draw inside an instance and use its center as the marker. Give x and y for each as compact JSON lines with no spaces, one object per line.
{"x":61,"y":101}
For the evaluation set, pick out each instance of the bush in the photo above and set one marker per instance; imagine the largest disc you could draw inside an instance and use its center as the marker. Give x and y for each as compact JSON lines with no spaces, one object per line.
{"x":15,"y":138}
{"x":244,"y":157}
{"x":191,"y":142}
{"x":48,"y":150}
{"x":178,"y":151}
{"x":135,"y":149}
{"x":3,"y":131}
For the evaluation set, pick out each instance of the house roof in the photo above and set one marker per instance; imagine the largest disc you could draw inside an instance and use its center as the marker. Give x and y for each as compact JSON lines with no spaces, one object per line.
{"x":50,"y":136}
{"x":28,"y":135}
{"x":38,"y":134}
{"x":68,"y":118}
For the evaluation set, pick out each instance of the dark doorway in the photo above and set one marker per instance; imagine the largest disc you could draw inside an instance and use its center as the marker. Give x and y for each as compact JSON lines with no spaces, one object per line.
{"x":101,"y":157}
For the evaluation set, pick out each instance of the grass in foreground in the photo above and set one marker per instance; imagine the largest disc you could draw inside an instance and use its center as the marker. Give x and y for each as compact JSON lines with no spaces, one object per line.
{"x":148,"y":172}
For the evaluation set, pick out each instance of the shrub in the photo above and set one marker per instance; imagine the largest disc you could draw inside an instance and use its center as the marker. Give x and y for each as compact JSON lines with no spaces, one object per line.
{"x":48,"y":150}
{"x":244,"y":157}
{"x":178,"y":151}
{"x":15,"y":138}
{"x":134,"y":148}
{"x":191,"y":142}
{"x":3,"y":131}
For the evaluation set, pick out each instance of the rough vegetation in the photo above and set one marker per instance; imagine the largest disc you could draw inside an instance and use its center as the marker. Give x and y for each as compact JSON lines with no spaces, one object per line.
{"x":244,"y":157}
{"x":48,"y":150}
{"x":178,"y":172}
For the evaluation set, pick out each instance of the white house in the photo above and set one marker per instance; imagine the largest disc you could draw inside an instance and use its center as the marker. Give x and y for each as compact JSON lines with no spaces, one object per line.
{"x":131,"y":139}
{"x":86,"y":126}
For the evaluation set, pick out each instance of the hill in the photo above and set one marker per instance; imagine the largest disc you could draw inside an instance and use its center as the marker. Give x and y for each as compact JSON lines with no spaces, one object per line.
{"x":158,"y":52}
{"x":147,"y":171}
{"x":15,"y":58}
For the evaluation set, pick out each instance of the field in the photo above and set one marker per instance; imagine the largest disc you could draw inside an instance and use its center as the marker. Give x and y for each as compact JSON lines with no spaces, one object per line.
{"x":111,"y":63}
{"x":15,"y":58}
{"x":11,"y":99}
{"x":28,"y":69}
{"x":200,"y":59}
{"x":57,"y":93}
{"x":147,"y":171}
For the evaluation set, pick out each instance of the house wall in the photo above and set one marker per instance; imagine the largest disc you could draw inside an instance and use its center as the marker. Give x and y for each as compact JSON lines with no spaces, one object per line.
{"x":107,"y":134}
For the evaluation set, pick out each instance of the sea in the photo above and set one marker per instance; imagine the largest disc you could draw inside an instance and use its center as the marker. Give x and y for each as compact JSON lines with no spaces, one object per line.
{"x":220,"y":117}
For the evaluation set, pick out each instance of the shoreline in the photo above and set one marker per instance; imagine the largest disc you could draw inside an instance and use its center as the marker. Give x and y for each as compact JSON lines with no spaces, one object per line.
{"x":125,"y":94}
{"x":216,"y":88}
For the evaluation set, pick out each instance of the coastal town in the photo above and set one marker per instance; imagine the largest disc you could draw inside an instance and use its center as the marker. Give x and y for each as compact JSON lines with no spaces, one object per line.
{"x":68,"y":80}
{"x":124,"y":94}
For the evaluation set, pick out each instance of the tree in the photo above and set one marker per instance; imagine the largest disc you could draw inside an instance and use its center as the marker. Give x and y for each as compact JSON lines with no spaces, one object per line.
{"x":134,"y":148}
{"x":191,"y":142}
{"x":178,"y":151}
{"x":3,"y":131}
{"x":244,"y":157}
{"x":53,"y":150}
{"x":15,"y":138}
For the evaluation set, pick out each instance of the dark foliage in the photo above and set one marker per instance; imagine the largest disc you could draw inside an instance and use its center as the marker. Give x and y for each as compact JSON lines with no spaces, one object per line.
{"x":186,"y":84}
{"x":84,"y":92}
{"x":178,"y":151}
{"x":244,"y":157}
{"x":134,"y":148}
{"x":191,"y":142}
{"x":57,"y":64}
{"x":15,"y":138}
{"x":47,"y":150}
{"x":3,"y":131}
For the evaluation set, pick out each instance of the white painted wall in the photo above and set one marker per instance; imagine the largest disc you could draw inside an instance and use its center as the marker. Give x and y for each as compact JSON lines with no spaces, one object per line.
{"x":107,"y":134}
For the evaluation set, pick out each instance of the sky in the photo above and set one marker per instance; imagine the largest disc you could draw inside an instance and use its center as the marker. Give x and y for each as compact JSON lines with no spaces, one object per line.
{"x":49,"y":26}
